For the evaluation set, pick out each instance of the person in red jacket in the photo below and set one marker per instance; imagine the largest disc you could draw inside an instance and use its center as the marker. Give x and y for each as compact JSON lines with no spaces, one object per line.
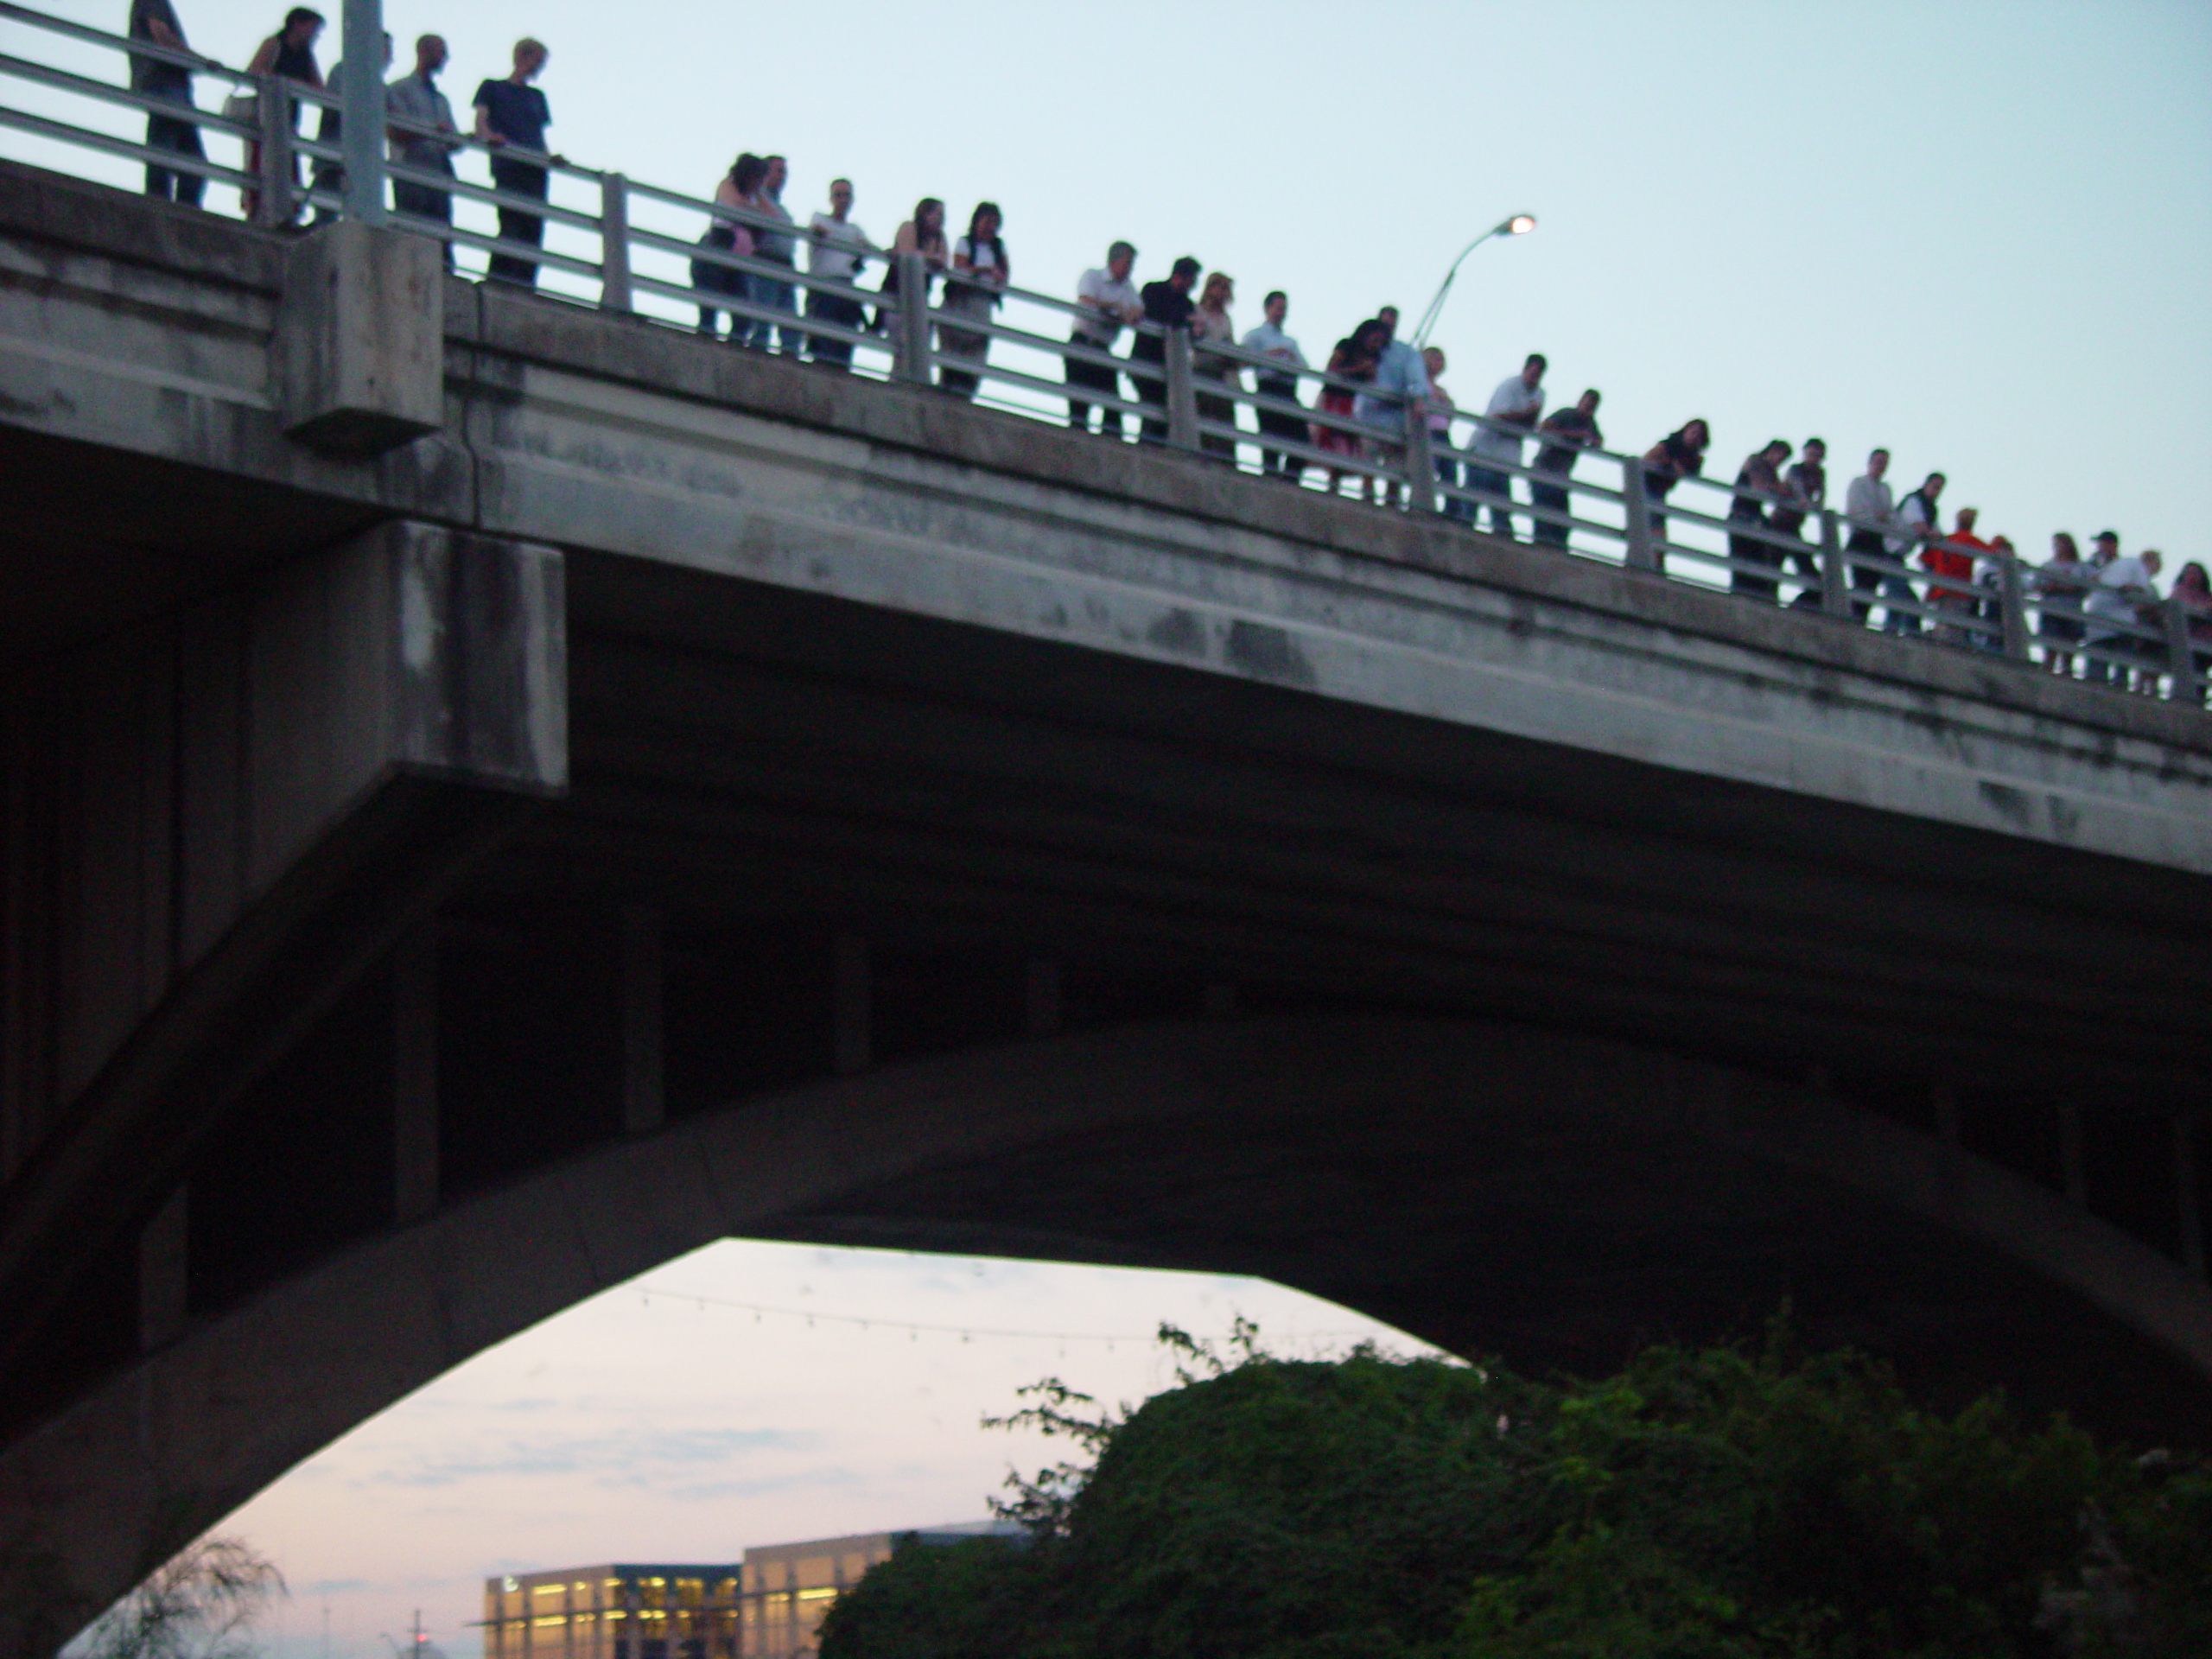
{"x":1950,"y":563}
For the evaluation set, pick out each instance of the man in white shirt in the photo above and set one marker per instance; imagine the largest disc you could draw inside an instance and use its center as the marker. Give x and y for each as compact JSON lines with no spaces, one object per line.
{"x":2124,"y":587}
{"x":1872,"y":508}
{"x":1518,"y":402}
{"x":1106,"y":299}
{"x":1269,"y":341}
{"x":1400,"y":381}
{"x":834,"y":248}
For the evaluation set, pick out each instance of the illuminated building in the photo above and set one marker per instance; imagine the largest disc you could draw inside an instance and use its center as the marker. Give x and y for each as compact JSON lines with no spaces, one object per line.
{"x":770,"y":1607}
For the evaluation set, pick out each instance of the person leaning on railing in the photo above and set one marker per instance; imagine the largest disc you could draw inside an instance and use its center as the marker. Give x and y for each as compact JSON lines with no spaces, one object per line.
{"x":2062,"y":585}
{"x":2192,"y":590}
{"x":1352,"y":359}
{"x":289,"y":55}
{"x":1804,"y":492}
{"x":1400,"y":382}
{"x":980,"y":270}
{"x":511,"y":114}
{"x":1168,"y":306}
{"x":777,"y":244}
{"x":1916,"y":524}
{"x":834,"y":246}
{"x":156,"y":20}
{"x":2125,"y":592}
{"x":1276,"y":394}
{"x":923,"y":234}
{"x":740,"y":188}
{"x":1518,"y":401}
{"x":1869,"y":503}
{"x":1569,"y":430}
{"x":1440,"y":410}
{"x":415,"y":99}
{"x":1210,"y":326}
{"x":1950,"y":565}
{"x":1106,"y":301}
{"x":1678,"y":456}
{"x":1759,"y":476}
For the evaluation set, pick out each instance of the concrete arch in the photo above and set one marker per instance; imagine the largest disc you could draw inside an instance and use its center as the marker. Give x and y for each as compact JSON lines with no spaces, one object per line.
{"x":1485,"y":1186}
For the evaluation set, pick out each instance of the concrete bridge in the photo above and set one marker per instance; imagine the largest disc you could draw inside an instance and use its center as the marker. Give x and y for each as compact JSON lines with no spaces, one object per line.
{"x":497,"y":795}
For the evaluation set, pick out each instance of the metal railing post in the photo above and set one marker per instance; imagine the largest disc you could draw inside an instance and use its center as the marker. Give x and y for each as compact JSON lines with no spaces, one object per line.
{"x":2180,"y":656}
{"x":1182,"y":392}
{"x":913,"y":356}
{"x":1642,"y":551}
{"x":1420,"y":460}
{"x":614,"y":243}
{"x":1835,"y":571}
{"x":2012,"y":609}
{"x":360,"y":92}
{"x":273,"y":110}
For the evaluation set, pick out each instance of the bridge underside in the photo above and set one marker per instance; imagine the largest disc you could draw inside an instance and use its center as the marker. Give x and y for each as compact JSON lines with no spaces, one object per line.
{"x":440,"y":887}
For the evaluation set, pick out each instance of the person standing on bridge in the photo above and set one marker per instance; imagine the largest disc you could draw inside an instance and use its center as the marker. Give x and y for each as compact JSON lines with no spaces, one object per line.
{"x":2059,"y":588}
{"x":1442,"y":455}
{"x":1278,"y":387}
{"x":1517,"y":403}
{"x":512,"y":115}
{"x":1210,"y":326}
{"x":1804,"y":492}
{"x":155,"y":21}
{"x":1916,"y":524}
{"x":1569,"y":430}
{"x":1871,"y":511}
{"x":980,"y":272}
{"x":923,"y":234}
{"x":834,"y":248}
{"x":740,"y":188}
{"x":1757,"y":479}
{"x":415,"y":100}
{"x":289,"y":55}
{"x":1401,"y":384}
{"x":1105,"y":301}
{"x":1168,"y":306}
{"x":1950,"y":570}
{"x":778,"y":246}
{"x":1678,"y":456}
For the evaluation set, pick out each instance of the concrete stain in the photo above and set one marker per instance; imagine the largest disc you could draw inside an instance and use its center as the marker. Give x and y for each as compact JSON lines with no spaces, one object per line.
{"x":2010,"y":803}
{"x":1182,"y":632}
{"x":1269,"y":653}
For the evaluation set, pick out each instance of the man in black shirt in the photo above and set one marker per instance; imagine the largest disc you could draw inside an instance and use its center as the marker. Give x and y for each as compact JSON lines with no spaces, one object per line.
{"x":1571,"y":429}
{"x":511,"y":112}
{"x":1170,"y":305}
{"x":156,"y":20}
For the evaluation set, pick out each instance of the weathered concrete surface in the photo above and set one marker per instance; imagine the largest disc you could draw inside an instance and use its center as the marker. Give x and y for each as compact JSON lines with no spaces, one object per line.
{"x":616,"y":436}
{"x":358,"y":363}
{"x":925,"y":1154}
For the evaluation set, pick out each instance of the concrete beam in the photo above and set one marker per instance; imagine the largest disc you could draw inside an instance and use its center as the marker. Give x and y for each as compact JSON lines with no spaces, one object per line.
{"x":358,"y":363}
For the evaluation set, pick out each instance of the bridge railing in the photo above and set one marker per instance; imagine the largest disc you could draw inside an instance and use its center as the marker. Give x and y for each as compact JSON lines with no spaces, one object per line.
{"x":640,"y":250}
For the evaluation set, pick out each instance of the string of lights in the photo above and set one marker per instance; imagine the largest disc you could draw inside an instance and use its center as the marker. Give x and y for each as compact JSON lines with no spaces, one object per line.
{"x":649,"y":1293}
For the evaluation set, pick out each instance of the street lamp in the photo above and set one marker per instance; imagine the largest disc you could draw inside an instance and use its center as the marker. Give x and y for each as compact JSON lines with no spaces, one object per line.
{"x":1519,"y":224}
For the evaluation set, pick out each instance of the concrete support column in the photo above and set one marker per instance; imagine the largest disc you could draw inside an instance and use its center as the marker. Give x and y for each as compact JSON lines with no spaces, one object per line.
{"x":643,"y":1032}
{"x":164,"y":1284}
{"x":415,"y":1076}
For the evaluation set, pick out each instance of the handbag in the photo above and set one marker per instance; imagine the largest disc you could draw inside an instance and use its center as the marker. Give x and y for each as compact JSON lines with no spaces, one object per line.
{"x":242,"y":106}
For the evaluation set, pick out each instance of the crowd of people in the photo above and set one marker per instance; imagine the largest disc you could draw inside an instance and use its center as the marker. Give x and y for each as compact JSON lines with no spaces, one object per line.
{"x":2104,"y":611}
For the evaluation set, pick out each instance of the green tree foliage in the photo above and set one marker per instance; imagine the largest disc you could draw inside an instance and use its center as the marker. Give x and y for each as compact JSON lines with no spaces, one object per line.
{"x":1744,"y":1501}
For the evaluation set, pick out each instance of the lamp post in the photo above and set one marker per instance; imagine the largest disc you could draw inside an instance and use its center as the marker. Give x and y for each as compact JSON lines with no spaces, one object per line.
{"x":1519,"y":224}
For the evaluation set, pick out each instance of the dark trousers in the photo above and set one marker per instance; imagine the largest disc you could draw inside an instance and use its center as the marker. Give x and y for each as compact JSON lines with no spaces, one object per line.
{"x":1281,"y":424}
{"x":180,"y":138}
{"x":846,"y":313}
{"x":423,"y":202}
{"x":1149,"y":390}
{"x":1092,"y":377}
{"x":1864,"y":578}
{"x":1499,"y":488}
{"x":1747,"y":550}
{"x":517,"y":179}
{"x":1554,"y":497}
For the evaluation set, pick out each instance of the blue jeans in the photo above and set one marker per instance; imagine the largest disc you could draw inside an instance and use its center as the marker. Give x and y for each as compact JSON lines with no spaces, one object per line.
{"x":1483,"y":481}
{"x":781,"y":296}
{"x":179,"y":137}
{"x":1893,"y":619}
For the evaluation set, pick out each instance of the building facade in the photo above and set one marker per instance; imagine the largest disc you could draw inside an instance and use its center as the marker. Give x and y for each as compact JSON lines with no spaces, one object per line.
{"x":769,"y":1606}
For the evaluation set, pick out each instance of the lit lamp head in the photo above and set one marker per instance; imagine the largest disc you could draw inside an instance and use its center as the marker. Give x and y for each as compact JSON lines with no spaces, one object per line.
{"x":1519,"y":224}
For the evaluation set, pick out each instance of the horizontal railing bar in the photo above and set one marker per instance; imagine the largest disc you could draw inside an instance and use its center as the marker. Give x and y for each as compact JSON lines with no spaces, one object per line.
{"x":130,"y":150}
